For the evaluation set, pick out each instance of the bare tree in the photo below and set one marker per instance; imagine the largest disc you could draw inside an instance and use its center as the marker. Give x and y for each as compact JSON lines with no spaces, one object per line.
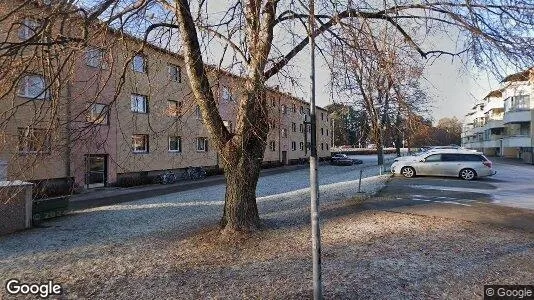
{"x":490,"y":31}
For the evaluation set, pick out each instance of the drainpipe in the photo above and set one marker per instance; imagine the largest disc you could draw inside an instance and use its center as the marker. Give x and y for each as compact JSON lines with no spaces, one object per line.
{"x":68,"y":137}
{"x":279,"y":133}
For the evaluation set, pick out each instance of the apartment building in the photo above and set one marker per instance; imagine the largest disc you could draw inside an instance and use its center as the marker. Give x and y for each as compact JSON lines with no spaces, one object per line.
{"x":118,"y":108}
{"x":501,"y":123}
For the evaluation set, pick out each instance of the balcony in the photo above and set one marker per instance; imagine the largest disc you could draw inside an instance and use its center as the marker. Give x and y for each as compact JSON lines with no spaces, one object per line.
{"x":517,"y":116}
{"x":517,"y":141}
{"x":494,"y":124}
{"x":492,"y":144}
{"x":478,"y":129}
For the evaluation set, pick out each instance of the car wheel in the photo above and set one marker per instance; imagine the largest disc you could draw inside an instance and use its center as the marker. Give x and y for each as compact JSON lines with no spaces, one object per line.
{"x":468,"y":174}
{"x":408,"y":172}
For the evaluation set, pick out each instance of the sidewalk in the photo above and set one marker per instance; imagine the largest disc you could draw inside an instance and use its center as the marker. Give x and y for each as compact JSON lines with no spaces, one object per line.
{"x":113,"y":195}
{"x":508,"y":161}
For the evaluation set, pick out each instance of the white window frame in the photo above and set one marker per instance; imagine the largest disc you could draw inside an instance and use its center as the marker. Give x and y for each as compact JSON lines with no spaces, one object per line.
{"x":229,"y":126}
{"x":26,"y":144}
{"x":283,"y":109}
{"x":25,"y":86}
{"x":293,"y":146}
{"x":301,"y":146}
{"x":134,"y":103}
{"x":198,"y":113}
{"x":226,"y":94}
{"x":95,"y":58}
{"x":174,"y":111}
{"x":145,"y":143}
{"x":283,"y":132}
{"x":301,"y":127}
{"x":28,"y":28}
{"x":139,"y":59}
{"x":175,"y":73}
{"x":177,"y":139}
{"x":293,"y":127}
{"x":97,"y":116}
{"x":272,"y":146}
{"x":202,"y":144}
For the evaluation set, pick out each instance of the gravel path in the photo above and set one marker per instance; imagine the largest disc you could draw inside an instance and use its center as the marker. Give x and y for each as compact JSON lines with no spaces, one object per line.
{"x":366,"y":254}
{"x":180,"y":213}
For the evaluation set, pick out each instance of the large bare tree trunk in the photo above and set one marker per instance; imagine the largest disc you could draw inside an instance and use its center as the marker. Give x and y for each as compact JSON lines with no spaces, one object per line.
{"x":242,"y":158}
{"x":241,"y":152}
{"x":240,"y":209}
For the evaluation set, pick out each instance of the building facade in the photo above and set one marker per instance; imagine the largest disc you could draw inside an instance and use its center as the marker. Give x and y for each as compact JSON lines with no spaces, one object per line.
{"x":501,"y":123}
{"x":116,"y":108}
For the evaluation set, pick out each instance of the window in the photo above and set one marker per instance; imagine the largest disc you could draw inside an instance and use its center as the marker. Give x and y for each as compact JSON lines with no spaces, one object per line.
{"x":33,"y":86}
{"x":139,"y":103}
{"x":322,"y":131}
{"x":28,"y":28}
{"x":33,"y":140}
{"x":294,"y":108}
{"x":326,"y":146}
{"x":97,"y":114}
{"x":140,"y":143}
{"x":293,"y":127}
{"x":433,"y":158}
{"x":198,"y":113}
{"x":175,"y":144}
{"x":293,"y":146}
{"x":322,"y":146}
{"x":175,"y":73}
{"x":273,"y":102}
{"x":283,"y":131}
{"x":139,"y":63}
{"x":301,"y":127}
{"x":301,"y":146}
{"x":94,"y":57}
{"x":272,"y":145}
{"x":174,"y":108}
{"x":521,"y":102}
{"x":202,"y":144}
{"x":327,"y":133}
{"x":226,"y":94}
{"x":301,"y":110}
{"x":322,"y":117}
{"x":228,"y":125}
{"x":284,"y":109}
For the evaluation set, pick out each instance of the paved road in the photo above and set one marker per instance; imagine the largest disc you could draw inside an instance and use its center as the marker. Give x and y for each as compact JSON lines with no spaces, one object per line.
{"x":506,"y":199}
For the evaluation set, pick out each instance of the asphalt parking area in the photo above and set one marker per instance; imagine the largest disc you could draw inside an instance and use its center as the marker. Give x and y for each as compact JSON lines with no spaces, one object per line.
{"x":451,"y":198}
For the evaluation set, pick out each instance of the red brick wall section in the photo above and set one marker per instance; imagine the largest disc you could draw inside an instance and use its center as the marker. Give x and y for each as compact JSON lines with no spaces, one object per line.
{"x":15,"y":206}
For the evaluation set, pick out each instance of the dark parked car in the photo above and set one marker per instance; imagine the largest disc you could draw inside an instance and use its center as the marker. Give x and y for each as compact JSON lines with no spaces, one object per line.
{"x":344,"y":160}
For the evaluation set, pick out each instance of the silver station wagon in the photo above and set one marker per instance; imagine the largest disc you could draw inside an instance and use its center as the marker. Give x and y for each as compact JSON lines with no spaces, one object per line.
{"x":467,"y":165}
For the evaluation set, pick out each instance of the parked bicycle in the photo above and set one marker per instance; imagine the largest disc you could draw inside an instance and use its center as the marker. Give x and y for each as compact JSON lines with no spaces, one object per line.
{"x":194,"y":173}
{"x":168,"y":177}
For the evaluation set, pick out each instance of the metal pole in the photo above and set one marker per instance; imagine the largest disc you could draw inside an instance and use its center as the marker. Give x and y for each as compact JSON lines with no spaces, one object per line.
{"x":360,"y":182}
{"x":314,"y":182}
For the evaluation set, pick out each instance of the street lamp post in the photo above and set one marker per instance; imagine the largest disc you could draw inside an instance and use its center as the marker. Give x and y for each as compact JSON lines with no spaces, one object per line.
{"x":314,"y":182}
{"x":380,"y":142}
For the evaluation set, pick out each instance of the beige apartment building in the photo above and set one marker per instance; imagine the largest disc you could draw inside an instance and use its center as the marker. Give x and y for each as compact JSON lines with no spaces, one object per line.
{"x":118,"y":108}
{"x":501,"y":123}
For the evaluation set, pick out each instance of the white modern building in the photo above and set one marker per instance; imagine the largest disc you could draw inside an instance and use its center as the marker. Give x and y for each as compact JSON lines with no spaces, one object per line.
{"x":501,"y":123}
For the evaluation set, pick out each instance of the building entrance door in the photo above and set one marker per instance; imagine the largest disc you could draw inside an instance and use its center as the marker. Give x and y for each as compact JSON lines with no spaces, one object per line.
{"x":284,"y":157}
{"x":95,"y":171}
